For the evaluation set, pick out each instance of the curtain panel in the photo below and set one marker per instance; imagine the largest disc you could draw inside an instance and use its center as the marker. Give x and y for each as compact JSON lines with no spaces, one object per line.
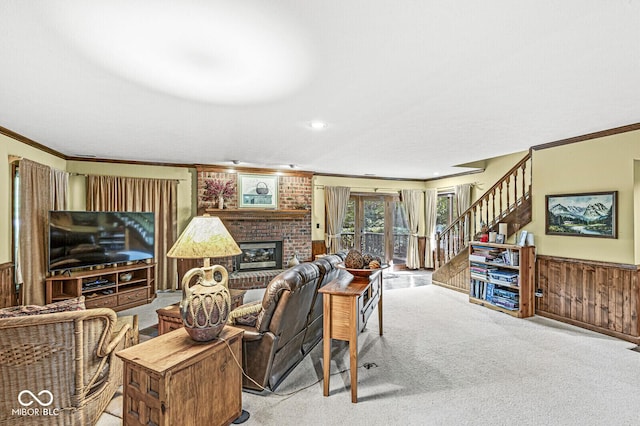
{"x":431,"y":215}
{"x":114,"y":193}
{"x":411,"y":201}
{"x":463,"y":202}
{"x":41,"y":189}
{"x":336,"y":199}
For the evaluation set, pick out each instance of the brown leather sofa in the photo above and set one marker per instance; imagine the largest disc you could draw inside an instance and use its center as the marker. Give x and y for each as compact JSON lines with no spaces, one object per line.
{"x":286,"y":325}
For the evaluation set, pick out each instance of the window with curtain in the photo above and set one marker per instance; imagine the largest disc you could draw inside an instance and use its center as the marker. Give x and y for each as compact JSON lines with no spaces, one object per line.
{"x":445,"y":210}
{"x":40,"y":189}
{"x":376,"y":224}
{"x":116,"y":193}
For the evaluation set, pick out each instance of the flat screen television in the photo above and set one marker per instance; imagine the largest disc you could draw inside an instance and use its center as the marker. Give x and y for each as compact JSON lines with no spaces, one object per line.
{"x":79,"y":239}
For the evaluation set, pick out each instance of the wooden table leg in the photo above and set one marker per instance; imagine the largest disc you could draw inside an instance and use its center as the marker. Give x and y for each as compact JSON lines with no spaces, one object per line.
{"x":380,"y":308}
{"x":353,"y":351}
{"x":326,"y":342}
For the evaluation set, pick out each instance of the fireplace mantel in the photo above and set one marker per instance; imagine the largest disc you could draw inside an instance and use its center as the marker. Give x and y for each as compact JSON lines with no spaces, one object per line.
{"x":257,"y":214}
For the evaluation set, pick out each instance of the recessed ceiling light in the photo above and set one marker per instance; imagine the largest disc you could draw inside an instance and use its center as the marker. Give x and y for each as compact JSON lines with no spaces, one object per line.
{"x":436,"y":173}
{"x":85,"y":155}
{"x":235,"y":161}
{"x":318,"y":125}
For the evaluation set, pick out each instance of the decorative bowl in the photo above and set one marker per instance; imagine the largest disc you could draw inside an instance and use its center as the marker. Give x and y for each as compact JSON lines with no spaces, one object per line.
{"x":125,"y":276}
{"x":365,"y":272}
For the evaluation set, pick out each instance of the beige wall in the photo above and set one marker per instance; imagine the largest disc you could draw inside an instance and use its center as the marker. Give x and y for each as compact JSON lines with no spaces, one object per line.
{"x":378,"y":186}
{"x":604,"y":164}
{"x":77,"y":186}
{"x":494,"y":169}
{"x":8,"y":147}
{"x":185,"y":177}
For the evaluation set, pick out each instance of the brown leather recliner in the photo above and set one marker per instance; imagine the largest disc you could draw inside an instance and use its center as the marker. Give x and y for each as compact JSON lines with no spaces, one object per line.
{"x":272,"y":347}
{"x":328,"y":272}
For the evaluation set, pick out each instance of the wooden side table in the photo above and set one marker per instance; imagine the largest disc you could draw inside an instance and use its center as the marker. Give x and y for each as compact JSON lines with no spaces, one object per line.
{"x":169,"y":317}
{"x":348,"y":302}
{"x":174,"y":380}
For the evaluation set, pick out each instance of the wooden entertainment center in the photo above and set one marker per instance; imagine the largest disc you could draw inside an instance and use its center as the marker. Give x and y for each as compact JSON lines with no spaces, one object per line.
{"x":118,"y":288}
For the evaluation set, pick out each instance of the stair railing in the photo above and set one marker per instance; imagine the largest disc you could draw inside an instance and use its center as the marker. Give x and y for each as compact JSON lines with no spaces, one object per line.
{"x":495,"y":204}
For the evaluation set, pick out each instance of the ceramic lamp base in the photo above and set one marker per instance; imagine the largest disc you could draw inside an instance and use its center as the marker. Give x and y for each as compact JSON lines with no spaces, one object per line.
{"x":205,"y":306}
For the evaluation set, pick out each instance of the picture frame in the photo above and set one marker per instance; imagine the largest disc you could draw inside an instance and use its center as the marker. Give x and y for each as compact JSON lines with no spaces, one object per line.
{"x":588,"y":214}
{"x":522,"y":238}
{"x":257,"y":191}
{"x":500,"y":238}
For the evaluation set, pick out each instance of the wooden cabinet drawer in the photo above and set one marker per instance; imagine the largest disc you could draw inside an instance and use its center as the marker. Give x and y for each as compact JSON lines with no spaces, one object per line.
{"x":132,"y":296}
{"x":101,"y":302}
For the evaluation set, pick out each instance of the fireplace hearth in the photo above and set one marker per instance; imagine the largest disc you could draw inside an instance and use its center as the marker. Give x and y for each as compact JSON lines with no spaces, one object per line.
{"x":259,"y":256}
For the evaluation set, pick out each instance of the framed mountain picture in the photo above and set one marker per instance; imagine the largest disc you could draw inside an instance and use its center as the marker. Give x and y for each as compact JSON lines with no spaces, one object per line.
{"x":591,"y":214}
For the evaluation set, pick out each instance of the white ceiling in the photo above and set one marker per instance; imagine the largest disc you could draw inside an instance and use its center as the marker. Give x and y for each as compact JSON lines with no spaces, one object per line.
{"x":409,"y":88}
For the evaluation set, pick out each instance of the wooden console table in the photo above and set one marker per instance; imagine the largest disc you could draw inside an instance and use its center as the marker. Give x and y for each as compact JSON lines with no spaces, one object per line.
{"x":348,"y":302}
{"x":174,"y":380}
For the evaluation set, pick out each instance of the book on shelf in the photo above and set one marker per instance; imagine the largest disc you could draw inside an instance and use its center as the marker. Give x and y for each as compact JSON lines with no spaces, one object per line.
{"x":484,"y":253}
{"x":504,"y":277}
{"x":506,"y":294}
{"x":505,"y":303}
{"x":477,"y":258}
{"x":489,"y":292}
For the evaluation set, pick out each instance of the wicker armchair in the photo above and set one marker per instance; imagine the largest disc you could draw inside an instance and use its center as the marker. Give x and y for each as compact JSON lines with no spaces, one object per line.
{"x":60,"y":368}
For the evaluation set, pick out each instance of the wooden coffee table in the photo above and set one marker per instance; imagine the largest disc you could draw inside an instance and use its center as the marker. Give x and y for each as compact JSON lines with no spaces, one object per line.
{"x":169,"y":317}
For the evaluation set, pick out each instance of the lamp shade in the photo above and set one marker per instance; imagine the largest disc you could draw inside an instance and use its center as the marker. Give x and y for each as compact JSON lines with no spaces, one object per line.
{"x":204,"y":237}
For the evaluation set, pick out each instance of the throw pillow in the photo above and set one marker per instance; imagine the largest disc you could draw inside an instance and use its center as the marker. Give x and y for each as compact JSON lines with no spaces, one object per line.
{"x":246,"y":314}
{"x":75,"y":304}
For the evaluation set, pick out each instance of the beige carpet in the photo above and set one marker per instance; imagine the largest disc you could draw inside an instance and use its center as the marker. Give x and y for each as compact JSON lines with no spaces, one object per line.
{"x":444,"y":361}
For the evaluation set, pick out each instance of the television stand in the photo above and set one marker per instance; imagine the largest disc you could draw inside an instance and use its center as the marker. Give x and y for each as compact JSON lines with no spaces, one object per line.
{"x":118,"y":288}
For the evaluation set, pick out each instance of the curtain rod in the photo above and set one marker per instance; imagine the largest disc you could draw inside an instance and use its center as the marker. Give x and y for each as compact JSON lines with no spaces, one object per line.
{"x":85,"y":175}
{"x":361,"y":188}
{"x":376,"y":189}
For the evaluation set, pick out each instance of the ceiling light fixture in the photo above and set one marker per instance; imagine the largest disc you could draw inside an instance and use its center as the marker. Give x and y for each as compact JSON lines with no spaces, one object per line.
{"x":318,"y":125}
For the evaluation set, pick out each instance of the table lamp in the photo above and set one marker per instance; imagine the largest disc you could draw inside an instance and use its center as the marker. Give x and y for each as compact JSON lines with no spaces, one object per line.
{"x":205,"y":305}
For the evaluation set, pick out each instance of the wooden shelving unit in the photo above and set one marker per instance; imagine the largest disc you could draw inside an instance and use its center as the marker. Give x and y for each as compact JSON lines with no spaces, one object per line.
{"x":502,"y":277}
{"x":106,"y":288}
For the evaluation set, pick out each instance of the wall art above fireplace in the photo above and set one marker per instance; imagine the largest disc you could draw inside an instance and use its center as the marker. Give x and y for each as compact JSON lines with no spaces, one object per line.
{"x":258,"y":190}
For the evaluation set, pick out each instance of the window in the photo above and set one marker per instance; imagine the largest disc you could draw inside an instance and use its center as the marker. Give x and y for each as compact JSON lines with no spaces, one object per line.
{"x":444,"y":210}
{"x":376,"y":224}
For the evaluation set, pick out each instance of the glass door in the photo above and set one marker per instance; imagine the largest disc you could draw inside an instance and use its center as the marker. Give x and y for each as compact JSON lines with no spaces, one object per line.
{"x":372,"y":235}
{"x":376,"y":224}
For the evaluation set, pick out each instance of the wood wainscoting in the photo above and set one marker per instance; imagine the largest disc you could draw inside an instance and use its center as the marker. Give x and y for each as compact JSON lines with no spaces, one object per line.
{"x":599,"y":296}
{"x":7,"y":287}
{"x":317,"y":248}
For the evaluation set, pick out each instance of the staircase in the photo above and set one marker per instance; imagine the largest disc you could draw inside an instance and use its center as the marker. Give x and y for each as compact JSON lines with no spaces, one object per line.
{"x":508,"y":201}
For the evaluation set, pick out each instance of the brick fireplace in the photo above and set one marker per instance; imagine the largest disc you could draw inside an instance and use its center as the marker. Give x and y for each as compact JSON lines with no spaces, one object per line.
{"x":290,"y":223}
{"x":258,"y":256}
